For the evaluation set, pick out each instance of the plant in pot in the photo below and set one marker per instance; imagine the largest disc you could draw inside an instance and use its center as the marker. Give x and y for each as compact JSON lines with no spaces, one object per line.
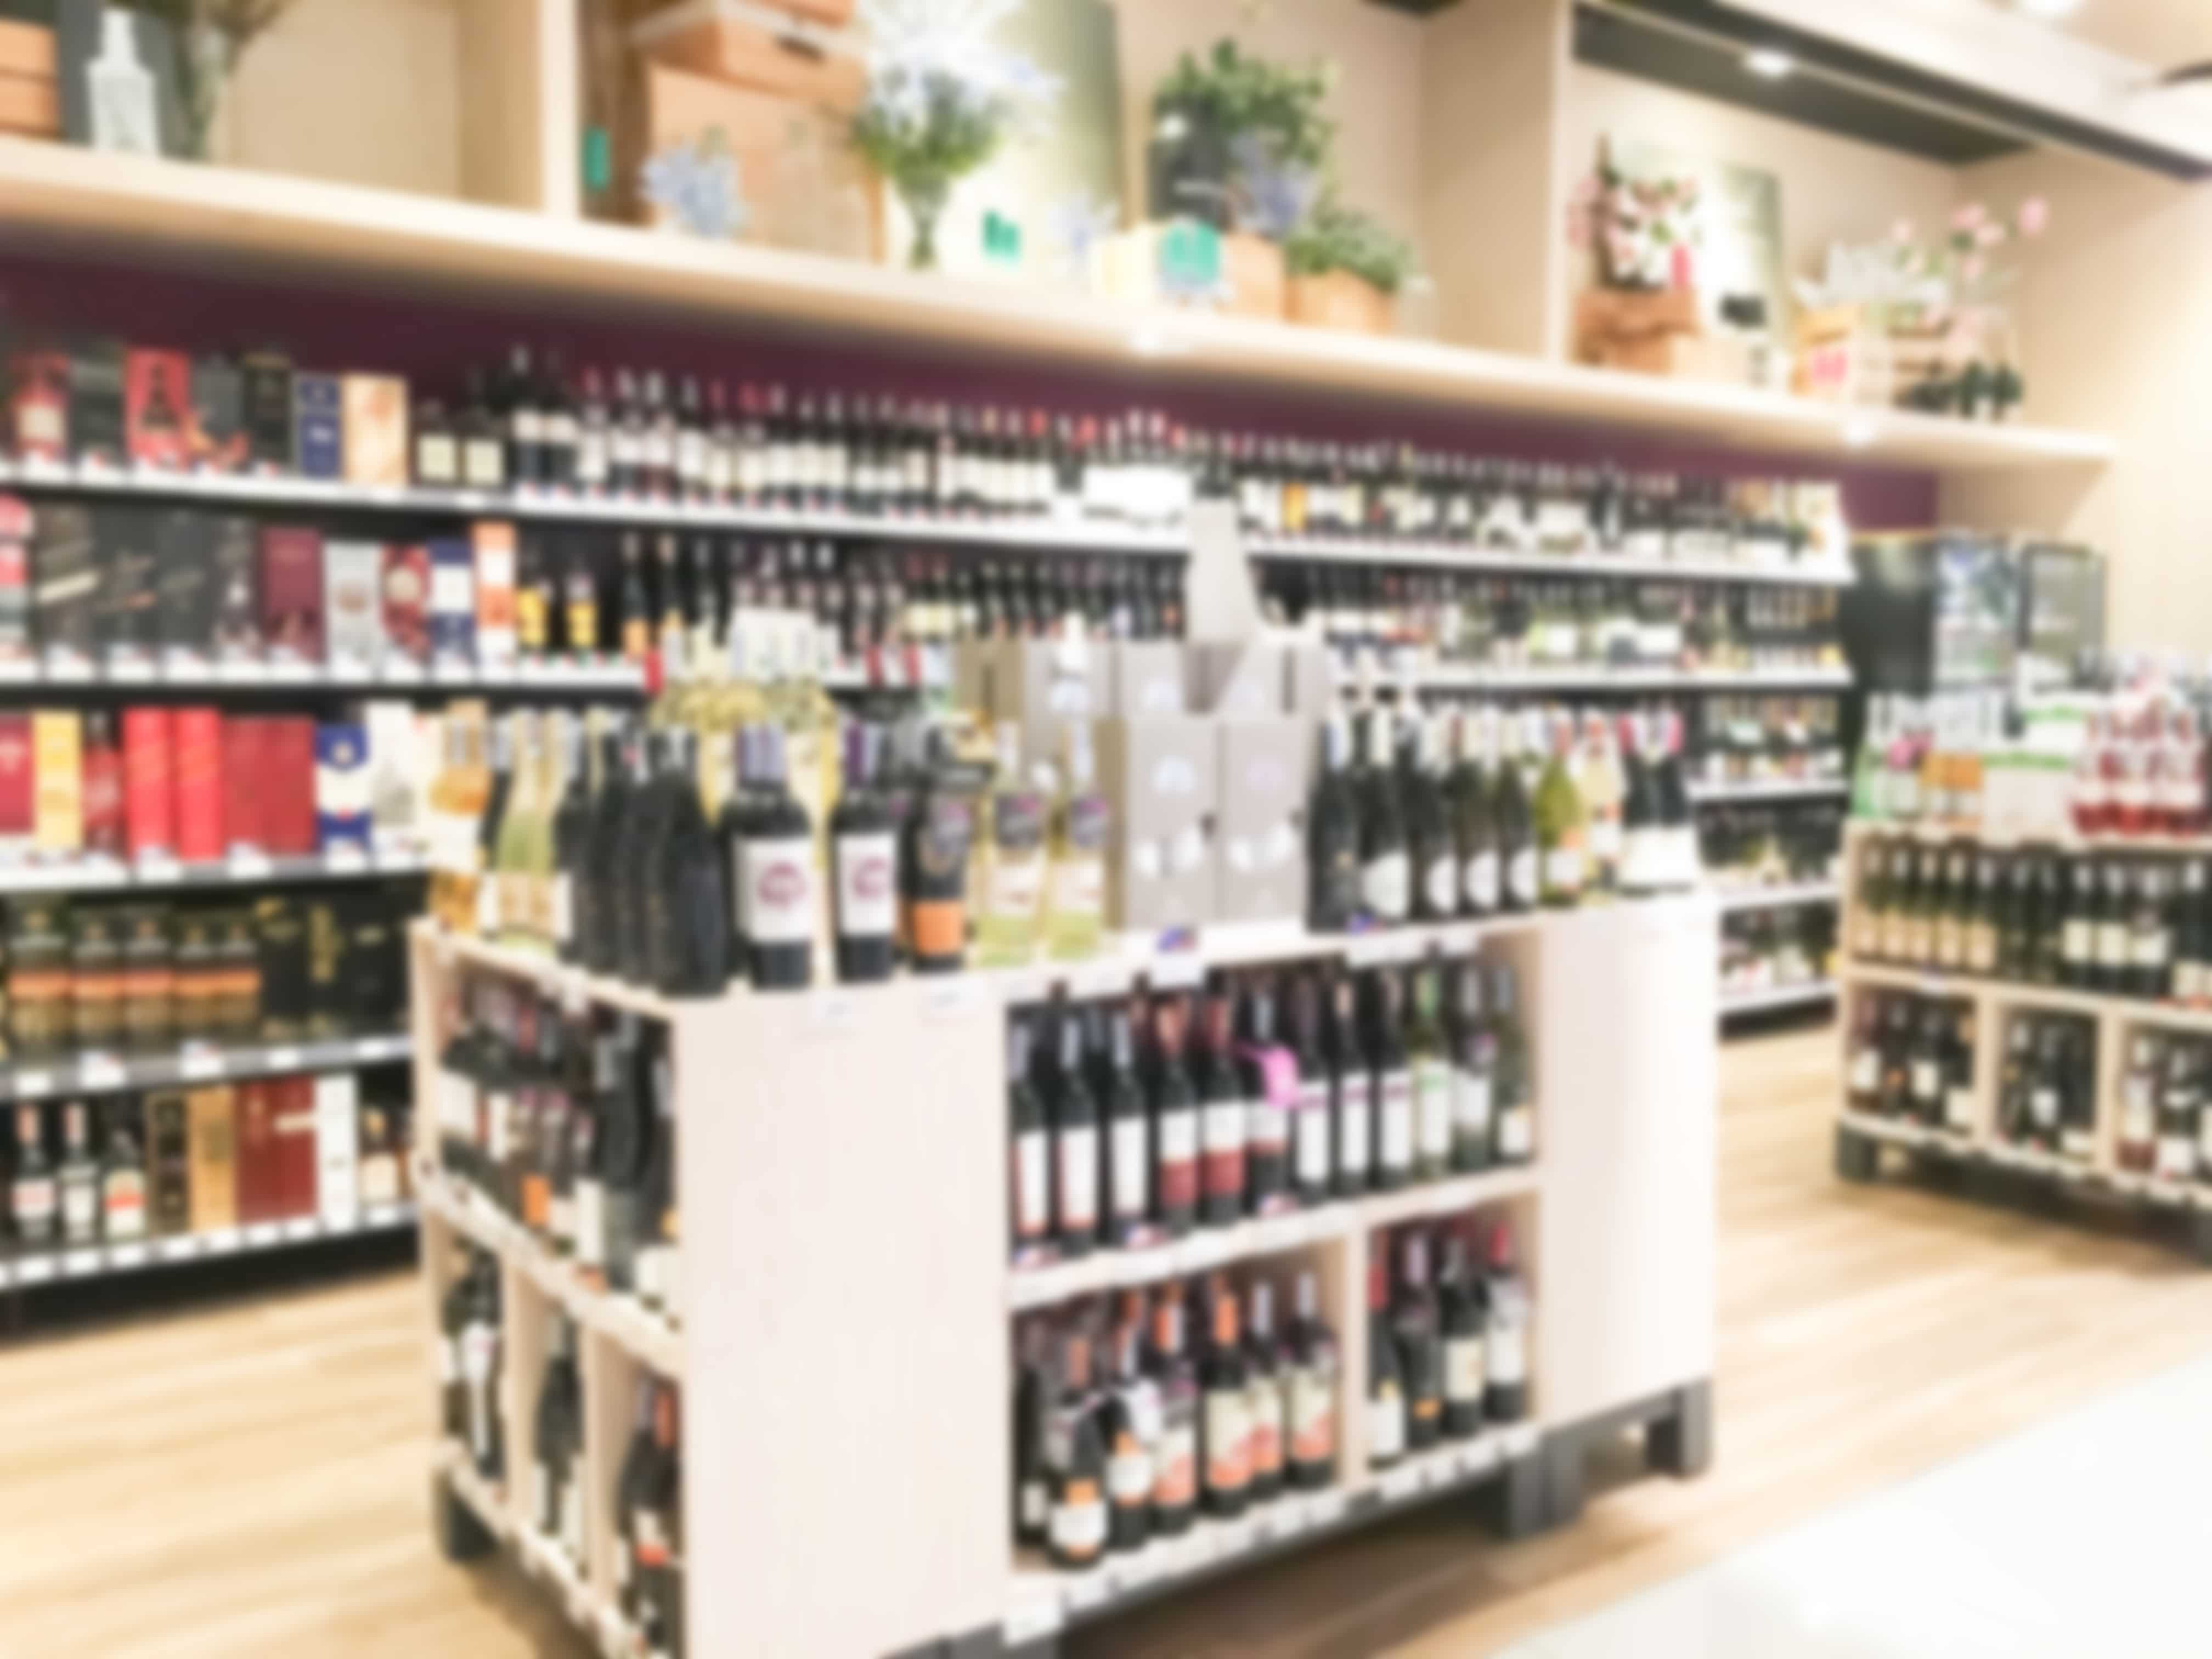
{"x":1219,"y":121}
{"x":1345,"y":269}
{"x":211,"y":36}
{"x":942,"y":97}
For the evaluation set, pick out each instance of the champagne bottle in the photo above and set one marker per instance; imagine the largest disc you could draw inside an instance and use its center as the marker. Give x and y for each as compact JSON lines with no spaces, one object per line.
{"x":1560,"y":826}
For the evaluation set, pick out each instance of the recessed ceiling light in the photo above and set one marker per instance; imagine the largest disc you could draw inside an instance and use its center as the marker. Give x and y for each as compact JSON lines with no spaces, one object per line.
{"x":1768,"y":64}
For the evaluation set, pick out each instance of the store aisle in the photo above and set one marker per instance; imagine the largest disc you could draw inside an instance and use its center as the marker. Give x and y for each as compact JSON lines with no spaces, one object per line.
{"x":2084,"y":1534}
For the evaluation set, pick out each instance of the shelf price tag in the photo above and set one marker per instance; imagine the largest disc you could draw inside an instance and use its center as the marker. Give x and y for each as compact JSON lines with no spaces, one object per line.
{"x":29,"y":1085}
{"x":1037,"y":1614}
{"x":100,"y":1071}
{"x":249,"y":866}
{"x":1401,"y":1483}
{"x":263,"y":1232}
{"x":285,"y":1059}
{"x":126,"y":1256}
{"x":301,"y":1227}
{"x":197,"y":1064}
{"x":75,"y":1264}
{"x":221,"y":1241}
{"x":345,"y":858}
{"x":180,"y":1248}
{"x":157,"y":870}
{"x":34,"y":1270}
{"x":1086,"y":1591}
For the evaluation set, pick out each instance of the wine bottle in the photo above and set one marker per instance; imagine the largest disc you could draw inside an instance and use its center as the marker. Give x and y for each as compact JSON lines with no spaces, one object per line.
{"x":658,"y":1266}
{"x":599,"y":943}
{"x":1128,"y":1136}
{"x":122,"y":1175}
{"x":481,"y":1360}
{"x":1505,"y":1335}
{"x":1224,"y":1116}
{"x":1385,"y":865}
{"x":77,"y":1178}
{"x":1473,"y":1058}
{"x":1332,"y":849}
{"x":1432,"y":847}
{"x":1390,"y":1079}
{"x":625,"y":1143}
{"x":1420,"y":1353}
{"x":1461,"y":1308}
{"x":1075,"y":880}
{"x":1269,"y":1075}
{"x":1076,"y":1534}
{"x":1075,"y":1146}
{"x":1511,"y":1089}
{"x":571,"y":911}
{"x":646,"y":807}
{"x":687,"y":913}
{"x":1176,"y":1125}
{"x":633,"y":1483}
{"x":1175,"y":1461}
{"x":1433,"y":1082}
{"x":1309,"y":1407}
{"x":660,"y":1537}
{"x":1264,"y":1378}
{"x":1518,"y":861}
{"x":1351,"y":1093}
{"x":487,"y":921}
{"x":1561,"y":826}
{"x":454,"y":1311}
{"x":777,"y":865}
{"x":1029,"y":1176}
{"x":586,"y":1113}
{"x":1131,"y":1424}
{"x":1313,"y":1128}
{"x":557,"y":1442}
{"x":933,"y":870}
{"x":1475,"y":818}
{"x":1386,"y":1392}
{"x":1225,"y":1416}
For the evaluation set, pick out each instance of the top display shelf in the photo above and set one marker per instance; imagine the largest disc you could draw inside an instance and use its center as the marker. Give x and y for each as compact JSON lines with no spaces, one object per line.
{"x":214,"y":212}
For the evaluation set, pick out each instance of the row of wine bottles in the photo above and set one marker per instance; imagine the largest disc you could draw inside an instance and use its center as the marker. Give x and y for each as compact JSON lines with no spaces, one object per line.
{"x":2132,"y":925}
{"x":646,"y":1507}
{"x":1486,"y":811}
{"x":1277,"y":1091}
{"x":566,"y":1123}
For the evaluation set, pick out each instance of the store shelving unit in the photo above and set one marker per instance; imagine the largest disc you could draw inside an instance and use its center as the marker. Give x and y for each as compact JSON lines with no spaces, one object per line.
{"x":1780,"y":896}
{"x":108,"y":1261}
{"x":1746,"y":790}
{"x":99,"y":875}
{"x":99,"y":1073}
{"x":1799,"y":993}
{"x":1454,"y":556}
{"x":1446,"y":677}
{"x":1614,"y":1222}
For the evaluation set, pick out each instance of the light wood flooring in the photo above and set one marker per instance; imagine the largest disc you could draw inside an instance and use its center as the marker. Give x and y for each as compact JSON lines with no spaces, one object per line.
{"x":251,"y":1481}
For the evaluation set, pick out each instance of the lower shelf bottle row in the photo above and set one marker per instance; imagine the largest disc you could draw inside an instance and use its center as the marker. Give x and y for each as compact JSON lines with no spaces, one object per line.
{"x":1134,"y":1419}
{"x":1913,"y":1059}
{"x":1270,"y":1093}
{"x":643,"y":1509}
{"x":205,"y":1163}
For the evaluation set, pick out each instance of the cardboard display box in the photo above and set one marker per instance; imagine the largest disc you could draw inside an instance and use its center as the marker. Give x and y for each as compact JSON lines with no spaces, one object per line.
{"x":1159,"y":774}
{"x":1260,"y":854}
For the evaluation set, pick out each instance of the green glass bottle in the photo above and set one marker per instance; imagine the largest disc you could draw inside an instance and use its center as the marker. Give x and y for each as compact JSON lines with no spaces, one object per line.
{"x":1561,"y":827}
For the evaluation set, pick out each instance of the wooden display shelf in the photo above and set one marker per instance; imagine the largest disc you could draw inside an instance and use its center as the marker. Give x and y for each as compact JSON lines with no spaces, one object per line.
{"x":1597,"y":567}
{"x":105,"y":1260}
{"x":103,"y":1073}
{"x":90,"y":875}
{"x":536,"y":1554}
{"x":1941,"y":832}
{"x":1042,"y":1285}
{"x":248,"y":489}
{"x":259,"y":218}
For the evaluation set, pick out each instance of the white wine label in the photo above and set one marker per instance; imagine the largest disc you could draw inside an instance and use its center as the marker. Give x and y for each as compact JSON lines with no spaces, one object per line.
{"x":1440,"y":885}
{"x":1079,"y":1523}
{"x":1079,"y":1177}
{"x":2150,"y":947}
{"x":1397,"y":1125}
{"x":1178,"y":1141}
{"x":2177,"y":1158}
{"x":2113,"y":944}
{"x":1471,"y":1102}
{"x":1352,"y":1134}
{"x":1480,"y":882}
{"x":1563,"y":869}
{"x":1433,"y":1112}
{"x":1267,"y":1128}
{"x":1384,"y":885}
{"x":778,"y":881}
{"x":1131,"y":1190}
{"x":1521,"y":876}
{"x":1506,"y":1355}
{"x":1464,"y":1375}
{"x":2077,"y":941}
{"x":1129,"y":1476}
{"x":1385,"y":1424}
{"x":1224,"y":1127}
{"x":1310,"y":1150}
{"x":1517,"y":1132}
{"x":1032,"y":1186}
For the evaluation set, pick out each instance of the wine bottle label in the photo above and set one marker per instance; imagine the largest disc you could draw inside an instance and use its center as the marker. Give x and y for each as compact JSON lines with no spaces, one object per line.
{"x":1471,"y":1102}
{"x":1958,"y":1106}
{"x":1440,"y":884}
{"x":1129,"y":1182}
{"x":1866,"y":933}
{"x":1223,"y":1127}
{"x":2077,"y":1142}
{"x":1386,"y":1423}
{"x":1352,"y":1134}
{"x":1129,"y":1472}
{"x":2077,"y":941}
{"x":1036,"y":1504}
{"x":1927,"y":1079}
{"x":1310,"y":1150}
{"x":1505,"y":1354}
{"x":2150,"y":948}
{"x":572,"y":1516}
{"x":1950,"y":943}
{"x":777,"y":877}
{"x":1521,"y":876}
{"x":1563,"y":870}
{"x":1433,"y":1109}
{"x":1481,"y":881}
{"x":1463,"y":1369}
{"x":866,"y":891}
{"x":1228,"y":1440}
{"x":561,"y":907}
{"x":1866,"y":1071}
{"x":449,"y":1359}
{"x":1312,"y":1415}
{"x":1079,"y":1520}
{"x":1174,"y":1480}
{"x":1394,"y":1103}
{"x":80,"y":1208}
{"x":1517,"y":1132}
{"x":2112,"y":944}
{"x":590,"y":1223}
{"x":542,"y":1496}
{"x":1384,"y":886}
{"x":1982,"y":948}
{"x":1263,"y":1407}
{"x":2204,"y":1142}
{"x":2043,"y":1106}
{"x":1032,"y":1185}
{"x":2177,"y":1156}
{"x":1177,"y":1150}
{"x":1079,"y":1178}
{"x":2188,"y":979}
{"x":1266,"y":1128}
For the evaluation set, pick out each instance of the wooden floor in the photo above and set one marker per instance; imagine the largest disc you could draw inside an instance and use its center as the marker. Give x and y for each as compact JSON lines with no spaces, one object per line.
{"x":251,"y":1482}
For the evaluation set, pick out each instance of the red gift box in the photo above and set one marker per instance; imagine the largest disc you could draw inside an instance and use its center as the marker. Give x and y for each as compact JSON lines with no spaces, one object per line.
{"x":288,"y":784}
{"x":14,"y":776}
{"x":157,"y":405}
{"x":199,"y":735}
{"x":260,"y":1174}
{"x":292,"y":593}
{"x":295,"y":1160}
{"x":149,"y":823}
{"x":242,"y":806}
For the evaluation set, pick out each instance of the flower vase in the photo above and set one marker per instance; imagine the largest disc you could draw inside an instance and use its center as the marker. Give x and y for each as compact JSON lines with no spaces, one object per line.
{"x":924,"y":200}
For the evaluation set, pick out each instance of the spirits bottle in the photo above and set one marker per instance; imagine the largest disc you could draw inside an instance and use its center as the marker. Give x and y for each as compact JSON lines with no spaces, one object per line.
{"x":77,"y":1179}
{"x":1309,"y":1407}
{"x":1077,"y":1459}
{"x":1461,"y":1309}
{"x":1029,"y":1169}
{"x":1333,"y":837}
{"x":776,"y":866}
{"x":1175,"y":1111}
{"x":1265,"y":1373}
{"x":122,"y":1175}
{"x":1075,"y":1146}
{"x":1225,"y":1416}
{"x":1176,"y":1461}
{"x":1420,"y":1353}
{"x":1433,"y":1090}
{"x":1386,"y":1391}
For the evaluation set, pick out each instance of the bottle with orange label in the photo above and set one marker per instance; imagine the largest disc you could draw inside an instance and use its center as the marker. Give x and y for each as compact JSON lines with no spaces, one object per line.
{"x":1225,"y":1415}
{"x":1175,"y":1454}
{"x":933,"y":870}
{"x":1075,"y":1452}
{"x":1309,"y":1391}
{"x":1264,"y":1372}
{"x":1133,"y":1430}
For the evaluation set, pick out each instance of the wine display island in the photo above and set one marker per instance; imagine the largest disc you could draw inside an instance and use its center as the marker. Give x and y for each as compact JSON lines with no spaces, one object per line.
{"x":820,"y":1141}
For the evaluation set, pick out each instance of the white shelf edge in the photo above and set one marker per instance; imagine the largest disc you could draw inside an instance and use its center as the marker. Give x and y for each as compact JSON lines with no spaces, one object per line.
{"x":70,"y":1264}
{"x":111,"y":875}
{"x":1111,"y":1269}
{"x":1778,"y":996}
{"x":92,"y":1074}
{"x":2151,"y":1189}
{"x":1760,"y":789}
{"x":225,"y":210}
{"x":1454,"y":556}
{"x":1735,"y":900}
{"x":1447,"y":677}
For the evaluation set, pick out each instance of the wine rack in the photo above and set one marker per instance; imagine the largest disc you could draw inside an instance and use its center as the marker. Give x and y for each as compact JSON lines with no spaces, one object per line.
{"x":888,"y":1195}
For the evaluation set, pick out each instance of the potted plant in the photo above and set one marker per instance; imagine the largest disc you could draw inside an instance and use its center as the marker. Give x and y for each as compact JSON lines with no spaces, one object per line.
{"x":211,"y":36}
{"x":942,"y":97}
{"x":1345,"y":269}
{"x":1217,"y":120}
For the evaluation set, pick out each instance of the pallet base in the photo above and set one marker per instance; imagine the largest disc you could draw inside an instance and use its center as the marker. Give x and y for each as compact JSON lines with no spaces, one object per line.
{"x":1678,"y":1440}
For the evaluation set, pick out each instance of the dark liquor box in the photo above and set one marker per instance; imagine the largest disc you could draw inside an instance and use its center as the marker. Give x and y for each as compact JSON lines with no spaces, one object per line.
{"x":96,"y":978}
{"x":294,"y":1099}
{"x":292,"y":593}
{"x":157,"y":401}
{"x":327,"y":953}
{"x":261,"y":1169}
{"x":148,"y":977}
{"x":37,"y":975}
{"x":149,"y":826}
{"x":220,"y":440}
{"x":196,"y":969}
{"x":268,"y":387}
{"x":236,"y":575}
{"x":123,"y":601}
{"x":407,"y":601}
{"x":96,"y":424}
{"x":168,"y":1162}
{"x":184,"y":578}
{"x":198,"y":737}
{"x":64,"y":578}
{"x":280,"y":928}
{"x":238,"y":956}
{"x":374,"y":987}
{"x":317,"y":425}
{"x":15,"y":522}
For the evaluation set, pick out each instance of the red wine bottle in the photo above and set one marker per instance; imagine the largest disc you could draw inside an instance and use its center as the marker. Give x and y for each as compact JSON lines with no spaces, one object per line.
{"x":1270,"y":1077}
{"x":1075,"y":1147}
{"x":1224,"y":1117}
{"x":1225,"y":1416}
{"x":1127,"y":1135}
{"x":1386,"y":1391}
{"x":864,"y":857}
{"x":1390,"y":1079}
{"x":1313,"y":1129}
{"x":1263,"y":1393}
{"x":1420,"y":1355}
{"x":776,"y":860}
{"x":1310,"y":1402}
{"x":1032,"y":1415}
{"x":1505,"y":1335}
{"x":1076,"y":1534}
{"x":1029,"y":1169}
{"x":1350,"y":1092}
{"x":1461,"y":1309}
{"x":1132,"y":1425}
{"x":1175,"y":1459}
{"x":1175,"y":1125}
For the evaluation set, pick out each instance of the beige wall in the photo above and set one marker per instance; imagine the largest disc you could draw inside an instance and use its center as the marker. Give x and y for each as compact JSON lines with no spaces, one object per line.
{"x":365,"y":91}
{"x":1832,"y":188}
{"x":2116,"y":314}
{"x":1376,"y":101}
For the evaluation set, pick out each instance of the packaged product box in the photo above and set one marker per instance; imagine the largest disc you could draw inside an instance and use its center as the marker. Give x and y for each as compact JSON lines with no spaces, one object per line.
{"x":213,"y":1113}
{"x":317,"y":425}
{"x":126,"y":591}
{"x":373,"y":974}
{"x":157,"y":405}
{"x":38,"y":403}
{"x":98,"y":430}
{"x":149,"y":819}
{"x":1146,"y":677}
{"x":398,"y":775}
{"x":1241,"y":681}
{"x":376,"y":429}
{"x":491,"y":552}
{"x":220,"y":440}
{"x":148,"y":978}
{"x":235,"y":564}
{"x":267,"y":377}
{"x":336,"y":1171}
{"x":15,"y":786}
{"x":15,"y":522}
{"x":39,"y":982}
{"x":405,"y":593}
{"x":329,"y":946}
{"x":65,"y":580}
{"x":452,"y":601}
{"x":96,"y":933}
{"x":30,"y":89}
{"x":353,"y":603}
{"x":168,"y":1162}
{"x":260,"y":1171}
{"x":280,"y":930}
{"x":58,"y":781}
{"x":291,"y":593}
{"x":298,"y":1145}
{"x":1159,"y":774}
{"x":1260,"y":847}
{"x":287,"y":785}
{"x":383,"y":1158}
{"x":343,"y":800}
{"x":197,"y":734}
{"x":184,"y":585}
{"x":243,"y":826}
